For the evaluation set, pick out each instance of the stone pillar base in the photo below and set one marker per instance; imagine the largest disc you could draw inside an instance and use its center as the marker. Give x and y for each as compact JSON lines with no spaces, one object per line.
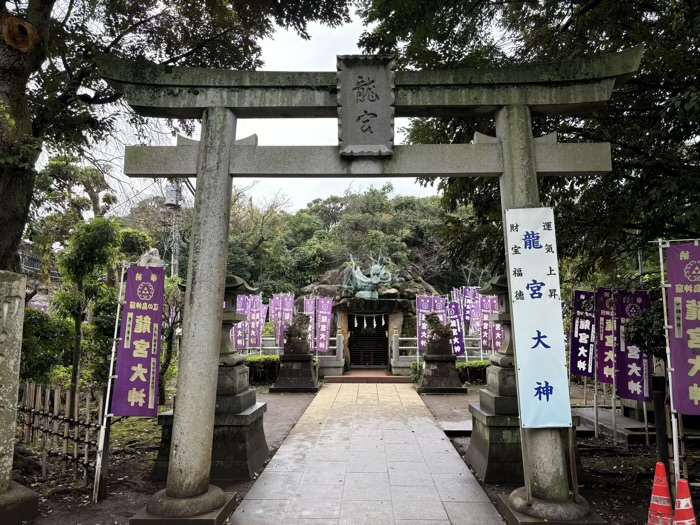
{"x":440,"y":376}
{"x":215,"y":517}
{"x":296,"y":374}
{"x":239,"y":447}
{"x":494,"y":449}
{"x":18,"y":505}
{"x":561,"y":510}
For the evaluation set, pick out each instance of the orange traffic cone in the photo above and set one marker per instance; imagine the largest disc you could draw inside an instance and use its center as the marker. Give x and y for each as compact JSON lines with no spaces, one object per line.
{"x":660,"y":510}
{"x":685,"y":515}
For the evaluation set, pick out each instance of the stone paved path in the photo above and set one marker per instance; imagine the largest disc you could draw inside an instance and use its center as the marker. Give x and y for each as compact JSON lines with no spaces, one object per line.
{"x":366,"y":454}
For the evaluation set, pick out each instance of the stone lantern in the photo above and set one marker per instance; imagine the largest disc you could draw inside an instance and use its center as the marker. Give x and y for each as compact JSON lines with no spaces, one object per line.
{"x":494,"y":450}
{"x":239,"y":446}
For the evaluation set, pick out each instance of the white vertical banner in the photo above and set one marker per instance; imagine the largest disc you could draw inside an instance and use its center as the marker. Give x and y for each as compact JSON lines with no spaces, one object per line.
{"x":537,"y":324}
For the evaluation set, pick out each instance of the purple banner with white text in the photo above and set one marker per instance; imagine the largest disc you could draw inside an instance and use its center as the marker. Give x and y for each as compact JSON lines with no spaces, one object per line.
{"x":605,"y":331}
{"x":454,"y":314}
{"x":424,"y":305}
{"x":683,"y":263}
{"x":138,"y":359}
{"x":582,"y":348}
{"x":239,"y":329}
{"x":310,"y":310}
{"x":633,"y":367}
{"x":324,"y":311}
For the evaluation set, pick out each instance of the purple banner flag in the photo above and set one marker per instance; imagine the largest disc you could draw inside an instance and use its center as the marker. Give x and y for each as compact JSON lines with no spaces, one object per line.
{"x":255,"y":322}
{"x":286,"y":316}
{"x":440,"y":308}
{"x":683,"y":262}
{"x":263,"y":317}
{"x":496,"y":328}
{"x":138,"y":358}
{"x":457,"y":334}
{"x":275,"y":314}
{"x":582,"y":348}
{"x":466,"y":311}
{"x":633,"y":367}
{"x":605,"y":330}
{"x":310,"y":310}
{"x":424,"y":305}
{"x":324,"y":309}
{"x":239,"y":329}
{"x":476,"y":312}
{"x":485,"y":304}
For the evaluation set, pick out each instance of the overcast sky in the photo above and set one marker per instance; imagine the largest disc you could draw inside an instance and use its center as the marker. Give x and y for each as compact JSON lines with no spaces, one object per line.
{"x":288,"y":52}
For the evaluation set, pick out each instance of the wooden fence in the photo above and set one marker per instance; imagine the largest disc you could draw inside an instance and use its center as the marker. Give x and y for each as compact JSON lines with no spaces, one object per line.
{"x":45,"y":424}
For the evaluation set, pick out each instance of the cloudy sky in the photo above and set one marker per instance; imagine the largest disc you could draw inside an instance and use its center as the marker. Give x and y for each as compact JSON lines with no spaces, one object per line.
{"x":288,"y":52}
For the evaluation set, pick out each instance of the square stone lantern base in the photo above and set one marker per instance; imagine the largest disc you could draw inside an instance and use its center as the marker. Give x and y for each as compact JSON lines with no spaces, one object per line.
{"x":440,"y":376}
{"x":494,"y":449}
{"x":239,"y":447}
{"x":297,"y":374}
{"x":18,"y":505}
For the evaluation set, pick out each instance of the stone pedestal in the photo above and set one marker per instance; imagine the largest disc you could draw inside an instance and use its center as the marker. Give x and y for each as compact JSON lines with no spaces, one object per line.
{"x":239,"y":448}
{"x":494,"y":450}
{"x":297,"y":374}
{"x":17,"y":503}
{"x":440,"y":376}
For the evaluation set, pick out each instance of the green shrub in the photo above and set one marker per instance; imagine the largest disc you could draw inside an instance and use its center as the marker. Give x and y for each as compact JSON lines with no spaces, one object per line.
{"x":416,"y":371}
{"x":473,"y":372}
{"x":47,"y":342}
{"x":263,"y":369}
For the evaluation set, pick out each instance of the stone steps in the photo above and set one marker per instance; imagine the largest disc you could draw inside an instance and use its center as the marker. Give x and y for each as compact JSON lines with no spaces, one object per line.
{"x":367,"y":376}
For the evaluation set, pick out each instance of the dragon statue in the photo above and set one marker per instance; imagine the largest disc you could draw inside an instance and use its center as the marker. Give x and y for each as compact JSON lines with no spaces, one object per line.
{"x":366,"y":287}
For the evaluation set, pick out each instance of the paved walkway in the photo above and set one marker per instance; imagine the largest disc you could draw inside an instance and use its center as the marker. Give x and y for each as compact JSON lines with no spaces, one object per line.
{"x":366,"y":454}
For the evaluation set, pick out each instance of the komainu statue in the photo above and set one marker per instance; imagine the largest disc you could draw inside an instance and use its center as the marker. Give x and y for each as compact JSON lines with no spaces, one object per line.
{"x":366,"y":287}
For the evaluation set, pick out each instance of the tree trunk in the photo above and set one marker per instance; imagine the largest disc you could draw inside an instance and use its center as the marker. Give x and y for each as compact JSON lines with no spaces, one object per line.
{"x":77,"y":348}
{"x":165,"y":365}
{"x":19,"y":145}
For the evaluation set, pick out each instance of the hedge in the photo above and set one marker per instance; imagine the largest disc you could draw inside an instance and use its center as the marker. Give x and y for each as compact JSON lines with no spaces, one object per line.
{"x":472,"y":372}
{"x":263,"y":369}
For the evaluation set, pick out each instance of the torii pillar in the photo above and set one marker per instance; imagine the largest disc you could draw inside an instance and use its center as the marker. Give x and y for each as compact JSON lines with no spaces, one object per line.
{"x":188,"y":492}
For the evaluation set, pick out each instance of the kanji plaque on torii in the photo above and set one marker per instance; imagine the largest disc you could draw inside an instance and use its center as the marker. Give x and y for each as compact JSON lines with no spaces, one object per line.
{"x":365,"y":105}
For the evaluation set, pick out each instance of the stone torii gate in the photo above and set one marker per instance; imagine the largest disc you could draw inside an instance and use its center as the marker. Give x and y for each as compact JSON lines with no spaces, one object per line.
{"x":365,"y":94}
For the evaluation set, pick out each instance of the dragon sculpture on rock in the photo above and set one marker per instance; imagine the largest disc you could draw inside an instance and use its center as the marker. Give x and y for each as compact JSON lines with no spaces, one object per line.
{"x":366,"y":287}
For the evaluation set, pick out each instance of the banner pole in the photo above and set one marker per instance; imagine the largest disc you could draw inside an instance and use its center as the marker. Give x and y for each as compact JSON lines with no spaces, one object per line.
{"x":106,"y":415}
{"x":674,"y":415}
{"x":595,"y":399}
{"x":613,"y":394}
